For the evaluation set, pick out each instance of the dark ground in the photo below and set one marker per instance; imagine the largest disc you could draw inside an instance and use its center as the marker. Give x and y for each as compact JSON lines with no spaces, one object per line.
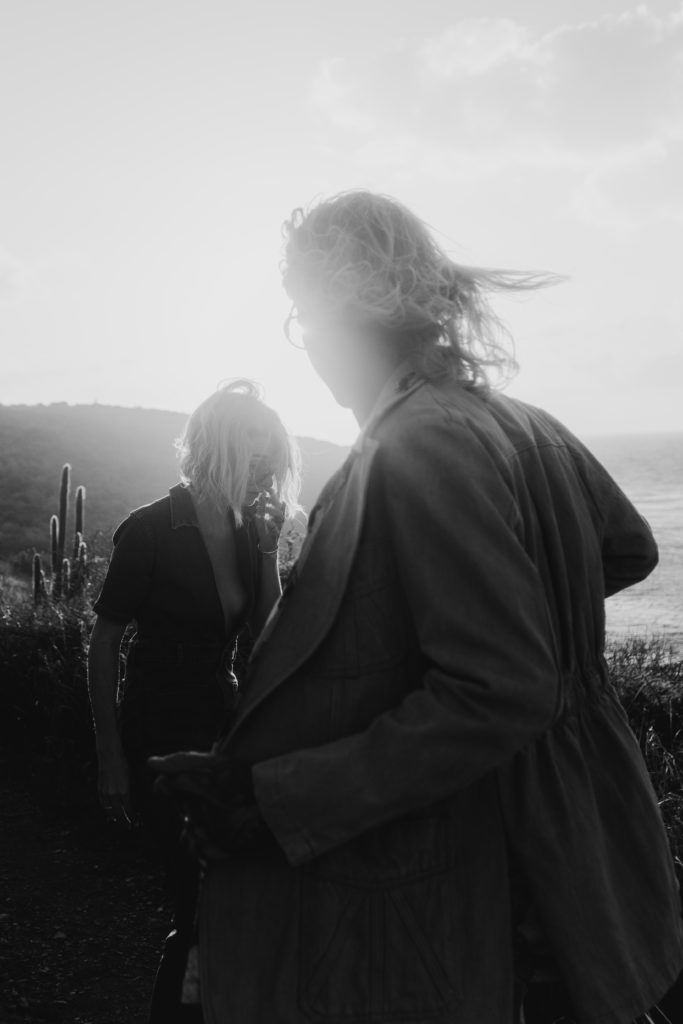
{"x":82,"y":909}
{"x":83,"y":912}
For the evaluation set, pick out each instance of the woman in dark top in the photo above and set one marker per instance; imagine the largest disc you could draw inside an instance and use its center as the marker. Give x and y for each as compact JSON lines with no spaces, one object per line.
{"x":191,"y":570}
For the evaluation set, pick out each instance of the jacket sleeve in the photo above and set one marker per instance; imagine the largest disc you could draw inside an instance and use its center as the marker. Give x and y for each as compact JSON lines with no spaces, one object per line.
{"x":490,"y":683}
{"x":629,"y":550}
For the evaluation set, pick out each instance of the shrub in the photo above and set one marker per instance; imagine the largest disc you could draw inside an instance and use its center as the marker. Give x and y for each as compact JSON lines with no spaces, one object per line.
{"x":649,"y":678}
{"x":44,"y":705}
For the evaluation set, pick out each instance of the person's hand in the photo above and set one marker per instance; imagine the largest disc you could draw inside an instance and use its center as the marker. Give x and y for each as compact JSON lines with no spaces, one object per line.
{"x":182,"y":779}
{"x":240,"y":832}
{"x":268,"y":516}
{"x":215,"y":799}
{"x":113,"y":787}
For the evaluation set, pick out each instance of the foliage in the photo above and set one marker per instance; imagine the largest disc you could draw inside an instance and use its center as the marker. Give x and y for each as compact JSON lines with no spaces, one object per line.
{"x":43,"y":645}
{"x":649,"y":678}
{"x":43,"y":695}
{"x":69,"y":575}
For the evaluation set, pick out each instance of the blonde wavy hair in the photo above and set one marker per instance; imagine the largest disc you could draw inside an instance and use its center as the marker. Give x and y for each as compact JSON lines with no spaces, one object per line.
{"x":223,"y":436}
{"x":363,"y":258}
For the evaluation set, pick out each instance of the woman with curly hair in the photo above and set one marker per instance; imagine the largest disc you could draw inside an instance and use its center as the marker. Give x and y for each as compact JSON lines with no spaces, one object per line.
{"x":430,"y":805}
{"x":192,"y":570}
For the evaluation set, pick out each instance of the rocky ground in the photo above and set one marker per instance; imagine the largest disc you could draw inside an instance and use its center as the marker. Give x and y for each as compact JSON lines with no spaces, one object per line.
{"x":82,"y":910}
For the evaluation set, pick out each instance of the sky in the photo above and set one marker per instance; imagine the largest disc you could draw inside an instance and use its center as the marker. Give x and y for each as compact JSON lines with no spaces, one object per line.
{"x":151,"y":149}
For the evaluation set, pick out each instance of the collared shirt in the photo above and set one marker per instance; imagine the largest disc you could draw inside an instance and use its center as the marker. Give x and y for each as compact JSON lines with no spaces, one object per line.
{"x":160,"y":574}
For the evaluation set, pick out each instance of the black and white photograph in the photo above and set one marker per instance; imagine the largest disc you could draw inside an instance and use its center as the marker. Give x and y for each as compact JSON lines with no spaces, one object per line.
{"x":341,"y":515}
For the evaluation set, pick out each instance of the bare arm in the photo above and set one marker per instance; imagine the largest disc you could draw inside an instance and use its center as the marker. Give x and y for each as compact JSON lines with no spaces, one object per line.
{"x":268,"y":520}
{"x":268,"y":594}
{"x":103,"y":675}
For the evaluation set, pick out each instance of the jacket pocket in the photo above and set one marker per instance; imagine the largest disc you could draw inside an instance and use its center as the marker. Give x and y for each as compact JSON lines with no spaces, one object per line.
{"x":380,"y":946}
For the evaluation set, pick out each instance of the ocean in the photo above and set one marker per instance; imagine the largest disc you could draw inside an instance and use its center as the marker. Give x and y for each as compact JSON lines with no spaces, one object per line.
{"x":649,"y":469}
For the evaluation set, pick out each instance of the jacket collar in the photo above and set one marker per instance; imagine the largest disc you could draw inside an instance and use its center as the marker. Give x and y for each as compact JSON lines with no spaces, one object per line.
{"x":308,"y":607}
{"x":403,"y":381}
{"x":183,"y":512}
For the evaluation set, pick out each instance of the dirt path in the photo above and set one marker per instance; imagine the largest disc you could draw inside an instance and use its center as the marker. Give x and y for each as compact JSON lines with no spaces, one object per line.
{"x":82,"y":913}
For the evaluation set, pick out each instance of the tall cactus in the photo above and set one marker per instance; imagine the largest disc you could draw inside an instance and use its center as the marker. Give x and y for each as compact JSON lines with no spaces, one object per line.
{"x":79,"y":559}
{"x":68,"y":576}
{"x":80,"y":513}
{"x":64,"y":505}
{"x":58,"y":542}
{"x":54,"y":548}
{"x":78,"y":567}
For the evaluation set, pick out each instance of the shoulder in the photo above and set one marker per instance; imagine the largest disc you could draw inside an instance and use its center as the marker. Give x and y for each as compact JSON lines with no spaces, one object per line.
{"x":544,"y":447}
{"x":146,"y":519}
{"x":158,"y":510}
{"x":445,"y":420}
{"x":443,"y":444}
{"x":491,"y":421}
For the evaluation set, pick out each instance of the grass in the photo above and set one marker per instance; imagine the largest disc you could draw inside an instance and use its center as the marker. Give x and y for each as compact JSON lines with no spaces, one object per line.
{"x":44,"y":703}
{"x":649,"y":678}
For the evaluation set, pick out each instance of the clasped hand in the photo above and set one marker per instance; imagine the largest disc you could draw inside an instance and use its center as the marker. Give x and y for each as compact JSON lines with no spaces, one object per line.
{"x":268,"y":516}
{"x":215,"y":799}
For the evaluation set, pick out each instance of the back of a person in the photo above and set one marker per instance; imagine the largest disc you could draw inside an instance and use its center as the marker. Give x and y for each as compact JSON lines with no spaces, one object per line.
{"x":572,"y":813}
{"x":606,"y":870}
{"x":180,"y":604}
{"x":573,"y":517}
{"x":429,"y":709}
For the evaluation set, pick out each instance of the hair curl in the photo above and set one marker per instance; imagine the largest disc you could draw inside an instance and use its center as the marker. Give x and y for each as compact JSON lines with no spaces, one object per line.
{"x":364,"y":258}
{"x":222,"y":436}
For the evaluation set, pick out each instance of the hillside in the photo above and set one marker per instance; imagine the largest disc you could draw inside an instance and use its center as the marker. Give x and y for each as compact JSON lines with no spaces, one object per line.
{"x":123,"y":457}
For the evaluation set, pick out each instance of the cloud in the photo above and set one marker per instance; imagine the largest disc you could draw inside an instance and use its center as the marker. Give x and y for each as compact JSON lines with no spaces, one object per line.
{"x":587,"y":86}
{"x":596,"y":104}
{"x":592,"y":85}
{"x":616,"y":79}
{"x":474,"y":47}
